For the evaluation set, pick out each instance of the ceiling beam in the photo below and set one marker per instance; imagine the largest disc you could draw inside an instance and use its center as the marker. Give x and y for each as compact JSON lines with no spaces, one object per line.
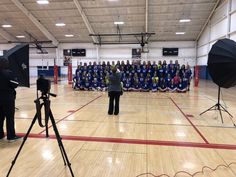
{"x":36,"y":22}
{"x":6,"y":35}
{"x":208,"y":19}
{"x":85,"y":19}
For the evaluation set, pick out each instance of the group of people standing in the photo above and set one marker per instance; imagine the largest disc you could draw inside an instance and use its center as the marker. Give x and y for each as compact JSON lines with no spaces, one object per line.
{"x":135,"y":76}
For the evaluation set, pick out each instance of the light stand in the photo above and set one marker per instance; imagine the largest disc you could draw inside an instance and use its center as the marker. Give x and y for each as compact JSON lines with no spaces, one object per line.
{"x":220,"y":108}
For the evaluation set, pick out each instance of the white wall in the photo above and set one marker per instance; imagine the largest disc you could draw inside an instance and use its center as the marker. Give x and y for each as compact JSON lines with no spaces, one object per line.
{"x":221,"y":25}
{"x":187,"y":54}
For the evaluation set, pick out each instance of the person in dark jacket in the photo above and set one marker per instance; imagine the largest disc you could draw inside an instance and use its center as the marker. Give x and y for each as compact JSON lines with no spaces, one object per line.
{"x":7,"y":101}
{"x":114,"y":91}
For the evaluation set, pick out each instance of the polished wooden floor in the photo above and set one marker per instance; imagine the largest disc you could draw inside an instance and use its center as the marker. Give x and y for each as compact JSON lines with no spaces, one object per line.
{"x":155,"y":133}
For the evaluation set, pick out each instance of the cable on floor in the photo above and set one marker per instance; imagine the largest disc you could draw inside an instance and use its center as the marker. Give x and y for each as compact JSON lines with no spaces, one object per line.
{"x":191,"y":175}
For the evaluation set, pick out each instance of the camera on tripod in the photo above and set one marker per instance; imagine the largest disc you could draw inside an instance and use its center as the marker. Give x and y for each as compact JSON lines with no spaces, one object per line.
{"x":41,"y":102}
{"x":43,"y":85}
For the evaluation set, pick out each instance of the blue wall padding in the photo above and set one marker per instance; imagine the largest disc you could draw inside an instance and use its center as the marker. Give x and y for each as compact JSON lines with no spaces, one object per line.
{"x":48,"y":72}
{"x":204,"y":73}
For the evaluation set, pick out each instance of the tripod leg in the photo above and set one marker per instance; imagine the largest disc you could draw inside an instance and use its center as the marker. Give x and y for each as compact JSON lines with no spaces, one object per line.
{"x":225,"y":110}
{"x":221,"y":115}
{"x":46,"y":127}
{"x":22,"y":144}
{"x":46,"y":110}
{"x":210,"y":109}
{"x":61,"y":146}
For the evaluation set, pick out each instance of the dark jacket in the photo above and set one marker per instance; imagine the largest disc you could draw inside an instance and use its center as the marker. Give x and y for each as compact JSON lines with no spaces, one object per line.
{"x":114,"y":82}
{"x":8,"y":84}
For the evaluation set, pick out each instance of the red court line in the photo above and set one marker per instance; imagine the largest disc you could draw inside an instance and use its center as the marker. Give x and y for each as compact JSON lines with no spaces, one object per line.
{"x":137,"y":141}
{"x":73,"y":112}
{"x":205,"y":140}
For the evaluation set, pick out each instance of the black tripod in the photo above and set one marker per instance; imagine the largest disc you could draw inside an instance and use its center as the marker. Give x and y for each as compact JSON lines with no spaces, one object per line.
{"x":48,"y":115}
{"x":220,"y":108}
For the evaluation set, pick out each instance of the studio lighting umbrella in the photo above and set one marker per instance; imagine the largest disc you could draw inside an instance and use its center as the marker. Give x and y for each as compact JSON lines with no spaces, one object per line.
{"x":222,"y":63}
{"x":222,"y":68}
{"x":18,"y":58}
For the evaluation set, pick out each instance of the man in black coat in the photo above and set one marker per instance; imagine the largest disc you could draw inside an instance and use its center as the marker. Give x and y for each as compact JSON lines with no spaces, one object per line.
{"x":8,"y":84}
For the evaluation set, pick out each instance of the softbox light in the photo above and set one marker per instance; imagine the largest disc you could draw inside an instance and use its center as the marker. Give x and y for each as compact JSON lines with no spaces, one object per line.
{"x":222,"y":63}
{"x":18,"y":58}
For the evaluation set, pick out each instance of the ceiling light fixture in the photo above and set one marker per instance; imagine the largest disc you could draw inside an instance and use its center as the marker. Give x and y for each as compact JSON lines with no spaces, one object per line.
{"x":184,"y":20}
{"x":119,"y":23}
{"x":6,"y":26}
{"x":180,"y":33}
{"x":43,"y":2}
{"x":69,"y":35}
{"x":20,"y":36}
{"x":60,"y":24}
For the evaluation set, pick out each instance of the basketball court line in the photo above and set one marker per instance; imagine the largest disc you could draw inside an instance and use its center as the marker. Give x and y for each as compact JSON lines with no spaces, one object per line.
{"x":140,"y":123}
{"x":73,"y":112}
{"x":198,"y":131}
{"x":136,"y":141}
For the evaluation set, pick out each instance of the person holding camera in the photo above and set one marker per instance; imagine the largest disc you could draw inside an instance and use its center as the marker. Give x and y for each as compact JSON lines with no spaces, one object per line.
{"x":114,"y":91}
{"x":7,"y":101}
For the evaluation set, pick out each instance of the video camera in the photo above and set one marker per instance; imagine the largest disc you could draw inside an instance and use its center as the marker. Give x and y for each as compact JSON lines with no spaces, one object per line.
{"x":43,"y":85}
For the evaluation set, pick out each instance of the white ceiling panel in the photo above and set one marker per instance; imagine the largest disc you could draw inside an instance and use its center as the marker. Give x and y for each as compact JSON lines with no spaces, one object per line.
{"x":163,"y":18}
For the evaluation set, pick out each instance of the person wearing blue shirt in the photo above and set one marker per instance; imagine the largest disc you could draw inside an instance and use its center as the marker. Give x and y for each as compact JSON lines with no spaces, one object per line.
{"x":132,"y":69}
{"x":138,"y":70}
{"x":182,"y":86}
{"x":144,"y":71}
{"x":185,"y":81}
{"x":150,"y":70}
{"x":170,"y":65}
{"x":77,"y":83}
{"x":168,"y":79}
{"x":100,"y":76}
{"x":136,"y":85}
{"x":90,"y":68}
{"x":127,"y":85}
{"x":172,"y":71}
{"x":165,"y":70}
{"x":154,"y":85}
{"x":95,"y":84}
{"x":177,"y":66}
{"x":162,"y":85}
{"x":124,"y":81}
{"x":87,"y":84}
{"x":103,"y":86}
{"x":145,"y":86}
{"x":95,"y":70}
{"x":90,"y":76}
{"x":172,"y":87}
{"x":141,"y":79}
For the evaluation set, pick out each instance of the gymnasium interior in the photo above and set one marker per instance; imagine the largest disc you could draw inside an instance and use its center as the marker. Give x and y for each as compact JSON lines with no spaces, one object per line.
{"x":160,"y":131}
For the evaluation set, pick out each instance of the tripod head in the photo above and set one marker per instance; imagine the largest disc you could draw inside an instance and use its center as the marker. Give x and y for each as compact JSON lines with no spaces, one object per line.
{"x":43,"y":86}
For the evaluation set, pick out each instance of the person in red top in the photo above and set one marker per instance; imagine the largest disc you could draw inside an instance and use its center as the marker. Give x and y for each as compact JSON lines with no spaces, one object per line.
{"x":176,"y":79}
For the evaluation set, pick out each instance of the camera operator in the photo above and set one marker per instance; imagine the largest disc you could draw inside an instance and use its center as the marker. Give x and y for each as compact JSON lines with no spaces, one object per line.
{"x":114,"y":91}
{"x":7,"y":101}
